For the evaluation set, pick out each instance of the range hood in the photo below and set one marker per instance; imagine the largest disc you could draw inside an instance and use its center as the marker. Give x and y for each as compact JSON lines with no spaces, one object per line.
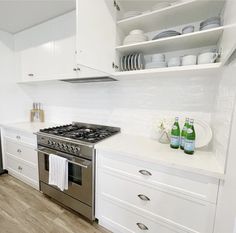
{"x":89,"y":80}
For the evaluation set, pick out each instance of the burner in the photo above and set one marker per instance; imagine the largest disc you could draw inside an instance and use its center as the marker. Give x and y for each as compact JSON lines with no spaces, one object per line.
{"x":82,"y":132}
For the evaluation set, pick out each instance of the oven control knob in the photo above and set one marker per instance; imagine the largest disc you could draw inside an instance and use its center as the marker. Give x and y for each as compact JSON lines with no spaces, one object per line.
{"x":77,"y":149}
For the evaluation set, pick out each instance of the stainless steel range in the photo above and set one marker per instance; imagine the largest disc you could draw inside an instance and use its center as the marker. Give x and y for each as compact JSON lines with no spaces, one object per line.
{"x":76,"y":143}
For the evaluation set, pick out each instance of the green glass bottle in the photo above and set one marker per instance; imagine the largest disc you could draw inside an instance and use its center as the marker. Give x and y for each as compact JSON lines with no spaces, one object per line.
{"x":189,"y":146}
{"x":183,"y":133}
{"x":175,"y":135}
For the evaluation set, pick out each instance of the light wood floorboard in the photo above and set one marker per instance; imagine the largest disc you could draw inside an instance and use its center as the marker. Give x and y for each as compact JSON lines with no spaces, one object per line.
{"x":26,"y":210}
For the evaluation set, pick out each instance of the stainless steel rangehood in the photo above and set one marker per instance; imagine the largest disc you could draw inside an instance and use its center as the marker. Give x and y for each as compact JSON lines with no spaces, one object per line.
{"x":89,"y":80}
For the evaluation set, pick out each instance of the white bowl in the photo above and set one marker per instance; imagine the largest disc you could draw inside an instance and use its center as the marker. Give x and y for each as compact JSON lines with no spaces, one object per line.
{"x":136,"y":32}
{"x":158,"y":57}
{"x":189,"y":60}
{"x":188,"y":29}
{"x":207,"y":57}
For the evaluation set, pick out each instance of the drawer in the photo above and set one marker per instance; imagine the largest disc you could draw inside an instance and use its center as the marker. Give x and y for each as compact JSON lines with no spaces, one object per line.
{"x":22,"y":152}
{"x":175,"y":209}
{"x":121,"y":220}
{"x":186,"y":183}
{"x":21,"y":137}
{"x":18,"y":166}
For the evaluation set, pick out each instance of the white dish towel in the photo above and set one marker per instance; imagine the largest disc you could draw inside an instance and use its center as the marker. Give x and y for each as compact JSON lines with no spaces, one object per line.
{"x":58,"y":171}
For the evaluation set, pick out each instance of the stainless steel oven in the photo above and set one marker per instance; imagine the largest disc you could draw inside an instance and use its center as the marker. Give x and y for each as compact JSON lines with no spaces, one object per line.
{"x":75,"y":142}
{"x":80,"y":193}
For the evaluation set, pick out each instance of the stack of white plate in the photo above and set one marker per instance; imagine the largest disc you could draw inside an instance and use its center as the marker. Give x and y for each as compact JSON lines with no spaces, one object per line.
{"x":130,"y":14}
{"x":135,"y":36}
{"x":212,"y":22}
{"x":158,"y":61}
{"x":165,"y":34}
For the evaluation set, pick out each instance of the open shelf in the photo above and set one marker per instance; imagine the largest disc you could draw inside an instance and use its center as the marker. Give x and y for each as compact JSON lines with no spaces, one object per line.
{"x":182,"y":42}
{"x":205,"y":69}
{"x":182,"y":13}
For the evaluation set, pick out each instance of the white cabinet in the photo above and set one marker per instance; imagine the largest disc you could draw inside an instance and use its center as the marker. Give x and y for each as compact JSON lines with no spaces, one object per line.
{"x":96,"y":35}
{"x":185,"y":13}
{"x":20,"y":157}
{"x":51,"y":60}
{"x":132,"y":196}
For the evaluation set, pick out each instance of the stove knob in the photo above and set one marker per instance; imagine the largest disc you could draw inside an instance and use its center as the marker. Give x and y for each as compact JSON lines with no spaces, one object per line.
{"x":77,"y":149}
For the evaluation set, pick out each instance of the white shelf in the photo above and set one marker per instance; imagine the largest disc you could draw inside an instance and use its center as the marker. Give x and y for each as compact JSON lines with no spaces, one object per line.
{"x":182,"y":42}
{"x":205,"y":69}
{"x":186,"y":12}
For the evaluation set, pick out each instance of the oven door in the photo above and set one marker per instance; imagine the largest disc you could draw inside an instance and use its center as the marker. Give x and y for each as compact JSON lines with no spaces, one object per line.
{"x":80,"y":174}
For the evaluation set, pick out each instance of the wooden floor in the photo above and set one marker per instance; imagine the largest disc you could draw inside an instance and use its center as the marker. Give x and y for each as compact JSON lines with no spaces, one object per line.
{"x":25,"y":210}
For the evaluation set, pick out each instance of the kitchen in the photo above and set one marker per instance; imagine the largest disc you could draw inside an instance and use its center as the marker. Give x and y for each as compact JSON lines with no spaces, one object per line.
{"x":72,"y":58}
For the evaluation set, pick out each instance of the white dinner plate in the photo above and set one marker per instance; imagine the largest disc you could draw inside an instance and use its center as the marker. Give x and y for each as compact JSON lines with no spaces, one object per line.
{"x":203,"y":132}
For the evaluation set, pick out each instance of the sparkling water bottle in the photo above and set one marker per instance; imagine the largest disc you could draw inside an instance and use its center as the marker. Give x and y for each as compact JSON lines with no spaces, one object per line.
{"x":183,"y":133}
{"x":175,"y":135}
{"x":189,"y":145}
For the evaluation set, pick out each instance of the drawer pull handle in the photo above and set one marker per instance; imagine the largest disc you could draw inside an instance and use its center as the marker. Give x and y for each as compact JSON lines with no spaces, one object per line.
{"x":18,"y":137}
{"x":145,"y":173}
{"x":143,"y":197}
{"x":20,"y":168}
{"x":19,"y":151}
{"x":142,"y":226}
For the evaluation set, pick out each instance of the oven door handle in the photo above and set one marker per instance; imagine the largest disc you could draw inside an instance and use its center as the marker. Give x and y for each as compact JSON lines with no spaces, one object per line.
{"x":69,"y":161}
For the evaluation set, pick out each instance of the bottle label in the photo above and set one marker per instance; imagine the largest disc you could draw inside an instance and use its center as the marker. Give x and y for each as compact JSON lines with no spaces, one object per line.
{"x":189,"y":145}
{"x":174,"y":141}
{"x":189,"y":131}
{"x":174,"y":127}
{"x":182,"y":143}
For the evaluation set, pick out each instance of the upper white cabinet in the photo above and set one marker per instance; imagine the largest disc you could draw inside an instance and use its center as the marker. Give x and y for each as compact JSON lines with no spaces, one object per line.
{"x":96,"y":33}
{"x":174,"y":17}
{"x":51,"y":60}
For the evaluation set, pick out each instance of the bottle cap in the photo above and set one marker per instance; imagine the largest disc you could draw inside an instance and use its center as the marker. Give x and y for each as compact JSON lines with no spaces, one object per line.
{"x":191,"y":121}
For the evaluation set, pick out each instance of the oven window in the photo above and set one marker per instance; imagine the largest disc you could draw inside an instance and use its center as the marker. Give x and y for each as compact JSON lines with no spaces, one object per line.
{"x":74,"y":171}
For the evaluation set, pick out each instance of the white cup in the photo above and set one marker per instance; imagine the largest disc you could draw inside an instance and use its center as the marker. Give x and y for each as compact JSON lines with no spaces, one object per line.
{"x":158,"y":57}
{"x":189,"y":60}
{"x":207,"y":57}
{"x":174,"y":61}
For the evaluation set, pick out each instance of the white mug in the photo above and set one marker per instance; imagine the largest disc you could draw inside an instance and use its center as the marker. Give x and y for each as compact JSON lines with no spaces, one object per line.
{"x":207,"y":57}
{"x":189,"y":60}
{"x":174,"y":61}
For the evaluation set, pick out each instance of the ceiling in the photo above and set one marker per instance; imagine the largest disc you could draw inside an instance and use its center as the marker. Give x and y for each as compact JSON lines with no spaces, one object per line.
{"x":17,"y":15}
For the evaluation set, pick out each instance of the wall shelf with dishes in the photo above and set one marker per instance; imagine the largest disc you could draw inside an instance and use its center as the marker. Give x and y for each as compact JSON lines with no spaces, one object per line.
{"x":143,"y":39}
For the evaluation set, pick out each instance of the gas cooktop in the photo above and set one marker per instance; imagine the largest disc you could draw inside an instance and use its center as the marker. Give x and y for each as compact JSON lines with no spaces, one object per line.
{"x":83,"y":132}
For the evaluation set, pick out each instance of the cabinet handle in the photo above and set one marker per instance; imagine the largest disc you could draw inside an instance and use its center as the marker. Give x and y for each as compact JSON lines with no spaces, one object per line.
{"x":145,"y":173}
{"x":143,"y":197}
{"x":18,"y":137}
{"x":19,"y":151}
{"x":31,"y":75}
{"x":20,"y":168}
{"x":76,"y":69}
{"x":142,"y":226}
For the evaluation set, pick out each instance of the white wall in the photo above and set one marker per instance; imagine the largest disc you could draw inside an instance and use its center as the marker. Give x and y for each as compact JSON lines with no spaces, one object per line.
{"x":13,"y":101}
{"x":226,"y":210}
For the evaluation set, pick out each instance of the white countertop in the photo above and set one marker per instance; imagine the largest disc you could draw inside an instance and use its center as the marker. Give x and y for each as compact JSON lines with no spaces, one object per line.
{"x":149,"y":150}
{"x":30,"y":127}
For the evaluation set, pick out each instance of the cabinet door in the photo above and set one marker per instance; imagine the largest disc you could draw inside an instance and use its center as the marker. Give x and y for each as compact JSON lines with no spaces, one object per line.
{"x":37,"y":62}
{"x":228,"y":42}
{"x":65,"y":58}
{"x":96,"y":32}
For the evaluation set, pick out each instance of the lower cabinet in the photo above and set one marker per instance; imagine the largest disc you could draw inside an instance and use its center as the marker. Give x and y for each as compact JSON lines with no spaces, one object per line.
{"x":20,"y":157}
{"x":132,"y":196}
